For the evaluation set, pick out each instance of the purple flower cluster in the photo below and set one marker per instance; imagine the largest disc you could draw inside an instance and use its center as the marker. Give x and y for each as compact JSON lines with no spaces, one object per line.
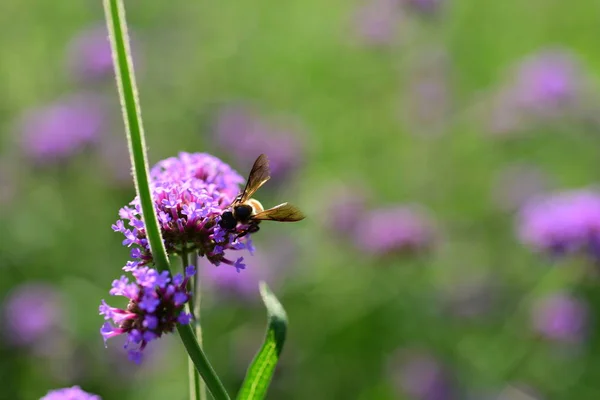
{"x":156,"y":305}
{"x":567,"y":222}
{"x":561,"y":318}
{"x":190,"y":192}
{"x":400,"y":229}
{"x":244,"y":135}
{"x":57,"y":131}
{"x":72,"y":393}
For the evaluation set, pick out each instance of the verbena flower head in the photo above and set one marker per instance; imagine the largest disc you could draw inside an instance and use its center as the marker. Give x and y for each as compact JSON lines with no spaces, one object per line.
{"x":57,"y":131}
{"x":567,"y":222}
{"x":400,"y":229}
{"x":156,"y":305}
{"x":561,"y":317}
{"x":31,"y":311}
{"x":72,"y":393}
{"x":190,"y":192}
{"x":244,"y":134}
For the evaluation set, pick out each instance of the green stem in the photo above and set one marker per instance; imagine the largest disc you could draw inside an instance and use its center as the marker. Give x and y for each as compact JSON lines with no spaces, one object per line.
{"x":132,"y":116}
{"x":193,"y":376}
{"x":114,"y":11}
{"x":198,"y":326}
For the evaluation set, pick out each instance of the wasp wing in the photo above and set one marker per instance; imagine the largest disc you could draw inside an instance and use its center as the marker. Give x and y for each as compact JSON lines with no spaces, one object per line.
{"x":259,"y":174}
{"x":283,"y":213}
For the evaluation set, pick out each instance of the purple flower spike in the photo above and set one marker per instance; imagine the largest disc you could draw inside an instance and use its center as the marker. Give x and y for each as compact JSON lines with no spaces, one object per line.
{"x":563,"y":223}
{"x":190,"y":193}
{"x":72,"y":393}
{"x":400,"y":229}
{"x":561,"y":318}
{"x":155,"y":307}
{"x":60,"y":130}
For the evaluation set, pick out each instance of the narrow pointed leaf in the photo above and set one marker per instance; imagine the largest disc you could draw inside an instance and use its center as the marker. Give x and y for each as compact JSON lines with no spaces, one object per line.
{"x":261,"y":370}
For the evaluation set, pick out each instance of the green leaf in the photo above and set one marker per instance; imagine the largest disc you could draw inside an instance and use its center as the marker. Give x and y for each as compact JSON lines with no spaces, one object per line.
{"x":261,"y":370}
{"x":114,"y":11}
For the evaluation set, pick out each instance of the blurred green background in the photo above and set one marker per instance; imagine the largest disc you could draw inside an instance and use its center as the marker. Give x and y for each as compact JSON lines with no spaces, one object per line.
{"x":400,"y":115}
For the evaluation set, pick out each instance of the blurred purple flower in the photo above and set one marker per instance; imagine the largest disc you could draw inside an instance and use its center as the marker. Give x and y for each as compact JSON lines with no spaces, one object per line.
{"x":547,"y":84}
{"x":426,"y":7}
{"x":561,"y":317}
{"x":566,"y":222}
{"x":345,"y":206}
{"x":57,"y":131}
{"x":31,"y":312}
{"x":72,"y":393}
{"x":267,"y":265}
{"x":515,"y":184}
{"x":190,"y":193}
{"x":114,"y":157}
{"x":376,"y":21}
{"x":244,"y":135}
{"x":156,"y":306}
{"x":548,"y":81}
{"x":422,"y":377}
{"x":89,"y":54}
{"x":427,"y":106}
{"x":400,"y":229}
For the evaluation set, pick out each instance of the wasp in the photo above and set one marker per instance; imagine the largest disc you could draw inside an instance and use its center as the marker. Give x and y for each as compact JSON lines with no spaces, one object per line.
{"x":248,"y":211}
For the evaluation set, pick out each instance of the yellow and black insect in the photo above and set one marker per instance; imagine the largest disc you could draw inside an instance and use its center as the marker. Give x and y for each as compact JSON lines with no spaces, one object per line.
{"x":247,"y":211}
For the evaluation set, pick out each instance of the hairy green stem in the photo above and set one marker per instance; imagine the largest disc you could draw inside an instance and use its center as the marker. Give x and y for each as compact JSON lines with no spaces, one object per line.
{"x":193,"y":376}
{"x":198,"y":326}
{"x":114,"y":11}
